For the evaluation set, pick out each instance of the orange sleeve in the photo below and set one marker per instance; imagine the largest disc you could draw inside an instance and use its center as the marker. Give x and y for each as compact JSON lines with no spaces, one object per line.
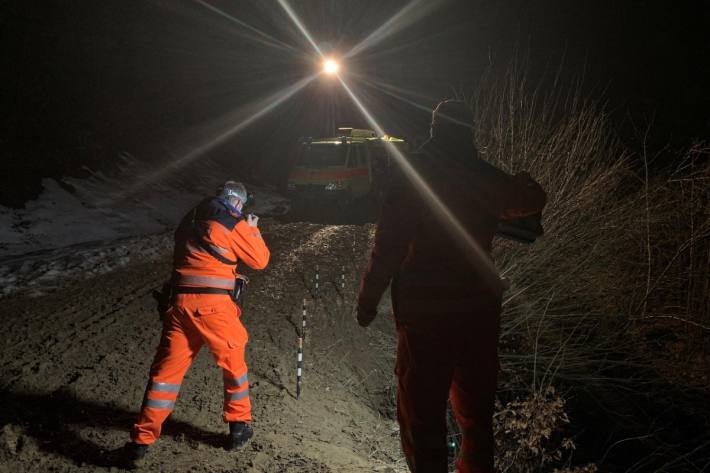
{"x":393,"y":236}
{"x":249,"y":246}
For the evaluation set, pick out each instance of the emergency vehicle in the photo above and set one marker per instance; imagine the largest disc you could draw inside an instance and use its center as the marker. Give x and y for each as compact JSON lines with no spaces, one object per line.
{"x":346,"y":168}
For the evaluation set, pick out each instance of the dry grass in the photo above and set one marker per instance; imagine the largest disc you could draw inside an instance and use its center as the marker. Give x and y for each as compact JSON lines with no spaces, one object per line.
{"x":622,"y":249}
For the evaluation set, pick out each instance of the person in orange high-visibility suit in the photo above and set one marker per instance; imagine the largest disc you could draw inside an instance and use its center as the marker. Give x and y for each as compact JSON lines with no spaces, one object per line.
{"x":433,"y":242}
{"x":209,"y":242}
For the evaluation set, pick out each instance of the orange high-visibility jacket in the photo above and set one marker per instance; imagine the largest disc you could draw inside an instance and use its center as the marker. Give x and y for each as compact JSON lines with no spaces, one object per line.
{"x":209,"y":242}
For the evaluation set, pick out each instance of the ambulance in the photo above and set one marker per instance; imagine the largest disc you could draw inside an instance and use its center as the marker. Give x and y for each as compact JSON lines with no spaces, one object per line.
{"x":349,"y":168}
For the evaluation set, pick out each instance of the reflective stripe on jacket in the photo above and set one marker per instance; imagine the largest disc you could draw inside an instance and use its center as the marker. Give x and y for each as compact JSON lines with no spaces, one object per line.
{"x":209,"y":229}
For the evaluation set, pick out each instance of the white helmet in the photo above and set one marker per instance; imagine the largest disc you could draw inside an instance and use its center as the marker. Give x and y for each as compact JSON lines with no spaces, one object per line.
{"x":233,"y":190}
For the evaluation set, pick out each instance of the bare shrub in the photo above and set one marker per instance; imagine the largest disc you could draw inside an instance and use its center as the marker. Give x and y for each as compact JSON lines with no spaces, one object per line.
{"x":524,"y":431}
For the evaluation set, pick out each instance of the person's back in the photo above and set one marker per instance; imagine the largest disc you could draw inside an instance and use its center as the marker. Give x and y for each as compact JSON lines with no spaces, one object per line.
{"x":417,"y":242}
{"x":209,"y":236}
{"x":202,"y":308}
{"x":433,"y":241}
{"x":476,"y":194}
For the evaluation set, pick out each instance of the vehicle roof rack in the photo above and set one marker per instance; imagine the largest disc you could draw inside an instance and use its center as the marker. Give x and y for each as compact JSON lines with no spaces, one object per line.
{"x":357,"y":132}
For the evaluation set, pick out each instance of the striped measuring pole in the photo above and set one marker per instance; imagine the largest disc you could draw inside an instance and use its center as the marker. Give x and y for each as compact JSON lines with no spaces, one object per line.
{"x":342,"y":278}
{"x":299,"y":357}
{"x":317,"y":282}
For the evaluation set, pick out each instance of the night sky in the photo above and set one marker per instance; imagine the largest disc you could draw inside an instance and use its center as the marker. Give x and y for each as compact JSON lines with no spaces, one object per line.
{"x":84,"y":80}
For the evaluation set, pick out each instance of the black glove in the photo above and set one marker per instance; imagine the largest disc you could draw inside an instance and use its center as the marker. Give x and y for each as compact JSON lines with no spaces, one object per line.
{"x":162,"y":298}
{"x":365,"y":314}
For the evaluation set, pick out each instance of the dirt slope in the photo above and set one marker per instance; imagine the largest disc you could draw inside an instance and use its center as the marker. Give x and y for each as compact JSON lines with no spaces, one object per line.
{"x":74,"y":366}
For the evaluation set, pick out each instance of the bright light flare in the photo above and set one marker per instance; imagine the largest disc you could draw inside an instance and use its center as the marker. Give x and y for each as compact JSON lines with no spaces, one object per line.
{"x":410,"y":14}
{"x":256,"y":34}
{"x":225,"y":129}
{"x":330,"y":67}
{"x":297,"y":21}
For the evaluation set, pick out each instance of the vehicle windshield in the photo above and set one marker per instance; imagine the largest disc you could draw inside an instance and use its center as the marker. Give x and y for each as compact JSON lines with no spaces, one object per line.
{"x":323,"y":155}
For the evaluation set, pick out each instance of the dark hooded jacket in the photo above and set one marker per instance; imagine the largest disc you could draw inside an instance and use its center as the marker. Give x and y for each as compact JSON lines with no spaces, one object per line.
{"x":435,"y":268}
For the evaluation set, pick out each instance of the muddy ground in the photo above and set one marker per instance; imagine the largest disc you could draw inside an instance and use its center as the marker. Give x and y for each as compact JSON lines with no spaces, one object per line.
{"x":75,"y":361}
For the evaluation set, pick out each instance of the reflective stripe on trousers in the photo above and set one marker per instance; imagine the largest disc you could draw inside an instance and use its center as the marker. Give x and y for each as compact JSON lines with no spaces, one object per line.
{"x":236,"y":389}
{"x":161,"y":395}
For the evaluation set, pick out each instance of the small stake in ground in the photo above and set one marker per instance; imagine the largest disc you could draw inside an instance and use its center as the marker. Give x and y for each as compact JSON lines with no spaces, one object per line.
{"x":299,"y":358}
{"x":342,"y":278}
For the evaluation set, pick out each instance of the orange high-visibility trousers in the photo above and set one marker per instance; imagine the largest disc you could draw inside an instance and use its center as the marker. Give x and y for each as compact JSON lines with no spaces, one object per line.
{"x":194,"y":320}
{"x":454,"y":357}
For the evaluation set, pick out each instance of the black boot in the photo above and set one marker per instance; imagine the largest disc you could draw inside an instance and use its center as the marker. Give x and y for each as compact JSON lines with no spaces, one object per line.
{"x":133,"y":454}
{"x":239,"y":434}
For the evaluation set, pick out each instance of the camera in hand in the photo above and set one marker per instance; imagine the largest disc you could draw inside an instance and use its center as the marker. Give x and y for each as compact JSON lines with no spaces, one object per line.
{"x":523,"y":230}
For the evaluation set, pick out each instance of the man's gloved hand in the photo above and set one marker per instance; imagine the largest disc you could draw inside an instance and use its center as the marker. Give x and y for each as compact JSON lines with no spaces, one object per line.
{"x":162,"y":298}
{"x":365,"y":314}
{"x":252,"y":220}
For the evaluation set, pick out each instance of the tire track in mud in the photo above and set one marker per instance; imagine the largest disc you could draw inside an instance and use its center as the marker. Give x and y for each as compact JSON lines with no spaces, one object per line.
{"x":90,"y":309}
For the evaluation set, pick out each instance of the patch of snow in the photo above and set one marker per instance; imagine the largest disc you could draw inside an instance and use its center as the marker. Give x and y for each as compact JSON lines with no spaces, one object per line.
{"x":88,"y":226}
{"x":41,"y":270}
